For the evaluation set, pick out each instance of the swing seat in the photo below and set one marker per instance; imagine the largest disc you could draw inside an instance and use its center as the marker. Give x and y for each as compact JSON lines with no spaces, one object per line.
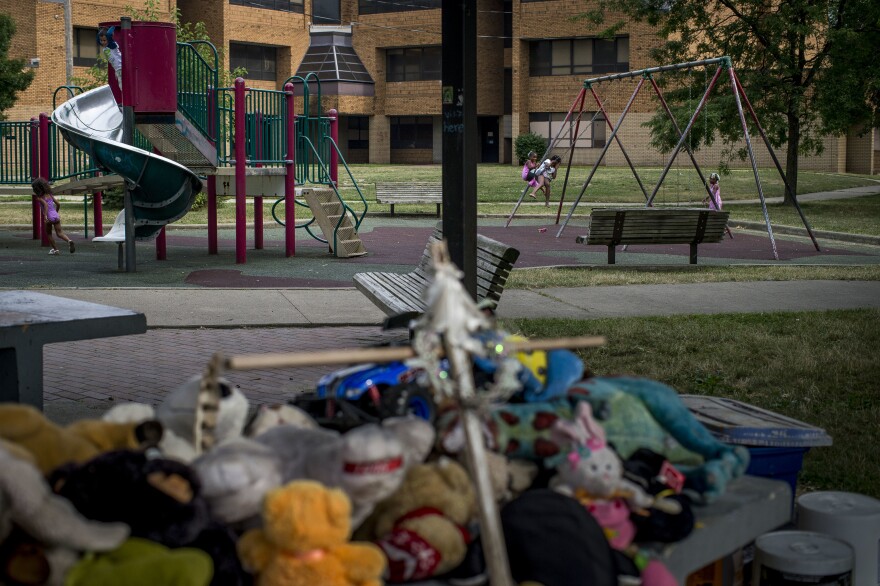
{"x":613,"y":226}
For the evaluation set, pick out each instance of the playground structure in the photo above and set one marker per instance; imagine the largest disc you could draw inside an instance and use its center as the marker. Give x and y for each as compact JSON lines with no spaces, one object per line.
{"x":170,"y":130}
{"x":576,"y":111}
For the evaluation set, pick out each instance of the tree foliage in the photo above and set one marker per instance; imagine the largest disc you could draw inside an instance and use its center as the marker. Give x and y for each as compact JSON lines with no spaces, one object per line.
{"x":809,"y":67}
{"x":529,"y":142}
{"x":13,"y":76}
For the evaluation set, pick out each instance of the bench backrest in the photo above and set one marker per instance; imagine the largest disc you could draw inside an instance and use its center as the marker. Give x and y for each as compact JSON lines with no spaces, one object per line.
{"x":421,"y":188}
{"x":494,"y":262}
{"x":656,"y":225}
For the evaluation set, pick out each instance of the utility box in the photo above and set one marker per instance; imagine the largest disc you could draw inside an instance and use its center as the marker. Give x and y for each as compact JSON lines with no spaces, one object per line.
{"x":149,"y":67}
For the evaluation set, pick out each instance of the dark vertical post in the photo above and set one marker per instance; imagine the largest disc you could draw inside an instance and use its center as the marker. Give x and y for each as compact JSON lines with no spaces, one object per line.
{"x":290,"y":176}
{"x":36,"y":217}
{"x":161,"y":245}
{"x":334,"y":155}
{"x":240,"y":179}
{"x":128,"y":138}
{"x":258,"y":199}
{"x":44,"y":165}
{"x":459,"y":127}
{"x":212,"y":214}
{"x":98,"y":211}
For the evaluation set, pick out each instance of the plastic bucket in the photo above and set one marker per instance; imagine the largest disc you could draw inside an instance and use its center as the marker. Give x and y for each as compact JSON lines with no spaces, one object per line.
{"x":853,"y":518}
{"x":798,"y":558}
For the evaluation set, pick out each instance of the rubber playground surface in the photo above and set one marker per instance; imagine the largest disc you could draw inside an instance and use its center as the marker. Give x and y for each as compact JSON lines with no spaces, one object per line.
{"x":393,"y":244}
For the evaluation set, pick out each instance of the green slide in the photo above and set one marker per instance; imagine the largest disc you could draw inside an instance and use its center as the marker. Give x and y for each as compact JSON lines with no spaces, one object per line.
{"x":162,"y":190}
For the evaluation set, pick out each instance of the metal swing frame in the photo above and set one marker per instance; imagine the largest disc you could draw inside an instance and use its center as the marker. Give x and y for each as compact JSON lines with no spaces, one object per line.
{"x":740,"y":97}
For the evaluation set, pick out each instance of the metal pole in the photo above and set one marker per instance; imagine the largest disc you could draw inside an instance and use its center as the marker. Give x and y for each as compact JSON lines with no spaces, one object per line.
{"x":623,"y":114}
{"x":290,"y":176}
{"x":68,"y":41}
{"x":763,"y":134}
{"x":620,"y":144}
{"x":128,"y":138}
{"x":745,"y":127}
{"x":650,"y":70}
{"x":334,"y":155}
{"x":577,"y":126}
{"x":212,"y":214}
{"x":459,"y":128}
{"x":258,"y":198}
{"x":240,"y":178}
{"x":36,"y":212}
{"x":684,"y":135}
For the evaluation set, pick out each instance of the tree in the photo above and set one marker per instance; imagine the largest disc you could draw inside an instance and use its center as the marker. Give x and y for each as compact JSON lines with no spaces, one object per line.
{"x":809,"y":67}
{"x":14,"y":78}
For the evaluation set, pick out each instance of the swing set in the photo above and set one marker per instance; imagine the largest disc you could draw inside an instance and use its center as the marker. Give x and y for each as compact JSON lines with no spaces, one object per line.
{"x":576,"y":112}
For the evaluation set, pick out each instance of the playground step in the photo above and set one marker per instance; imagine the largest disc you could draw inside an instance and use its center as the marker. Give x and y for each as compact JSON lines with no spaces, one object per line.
{"x":329,"y":213}
{"x":181,"y":142}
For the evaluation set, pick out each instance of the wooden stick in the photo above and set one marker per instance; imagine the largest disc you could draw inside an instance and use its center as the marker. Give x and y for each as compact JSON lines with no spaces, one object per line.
{"x":385,"y":354}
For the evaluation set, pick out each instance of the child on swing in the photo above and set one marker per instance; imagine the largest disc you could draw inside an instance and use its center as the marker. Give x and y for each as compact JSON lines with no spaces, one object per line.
{"x":714,"y":197}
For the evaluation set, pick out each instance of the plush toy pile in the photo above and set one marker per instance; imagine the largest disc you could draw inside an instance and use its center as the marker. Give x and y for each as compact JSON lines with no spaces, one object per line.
{"x":586,"y":470}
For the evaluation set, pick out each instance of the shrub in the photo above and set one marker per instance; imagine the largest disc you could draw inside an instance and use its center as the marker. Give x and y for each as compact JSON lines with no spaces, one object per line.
{"x":529,"y":142}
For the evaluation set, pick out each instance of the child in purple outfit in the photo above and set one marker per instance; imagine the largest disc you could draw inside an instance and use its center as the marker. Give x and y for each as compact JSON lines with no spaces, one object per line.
{"x":714,"y":197}
{"x":49,"y":207}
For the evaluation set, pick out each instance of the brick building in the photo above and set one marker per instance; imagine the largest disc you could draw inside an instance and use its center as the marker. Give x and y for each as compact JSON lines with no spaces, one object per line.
{"x":379,"y":62}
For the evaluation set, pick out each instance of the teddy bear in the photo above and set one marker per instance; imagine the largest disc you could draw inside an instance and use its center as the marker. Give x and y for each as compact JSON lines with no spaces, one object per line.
{"x":50,"y":533}
{"x":422,"y":527}
{"x":52,"y":445}
{"x":304,"y":541}
{"x":160,"y":499}
{"x":368,"y":462}
{"x":177,"y":413}
{"x":269,"y":416}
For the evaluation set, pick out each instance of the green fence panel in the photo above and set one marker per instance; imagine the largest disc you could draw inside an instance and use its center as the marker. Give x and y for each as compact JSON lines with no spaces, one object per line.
{"x":15,"y":153}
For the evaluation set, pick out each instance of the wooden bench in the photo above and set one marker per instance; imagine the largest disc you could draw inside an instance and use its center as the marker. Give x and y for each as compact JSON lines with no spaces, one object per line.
{"x":420,"y":192}
{"x":610,"y":227}
{"x":398,"y":293}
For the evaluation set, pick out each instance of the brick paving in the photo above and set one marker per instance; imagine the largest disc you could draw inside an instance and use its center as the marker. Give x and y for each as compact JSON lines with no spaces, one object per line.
{"x":145,"y":367}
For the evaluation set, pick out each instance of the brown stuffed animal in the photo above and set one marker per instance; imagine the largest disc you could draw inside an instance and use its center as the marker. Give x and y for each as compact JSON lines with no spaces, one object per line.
{"x":421,"y":527}
{"x":304,"y":541}
{"x":52,"y":445}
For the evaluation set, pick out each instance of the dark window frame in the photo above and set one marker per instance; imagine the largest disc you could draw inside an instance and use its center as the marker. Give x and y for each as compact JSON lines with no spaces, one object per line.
{"x":383,"y":6}
{"x":91,"y":38}
{"x":361,"y":131}
{"x":280,"y":5}
{"x":413,"y":63}
{"x":597,"y":137}
{"x":412,"y":132}
{"x":541,"y":57}
{"x":254,"y":73}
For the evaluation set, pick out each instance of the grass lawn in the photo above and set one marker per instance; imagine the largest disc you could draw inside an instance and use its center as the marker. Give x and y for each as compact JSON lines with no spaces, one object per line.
{"x":539,"y":278}
{"x":858,"y":215}
{"x":818,"y":367}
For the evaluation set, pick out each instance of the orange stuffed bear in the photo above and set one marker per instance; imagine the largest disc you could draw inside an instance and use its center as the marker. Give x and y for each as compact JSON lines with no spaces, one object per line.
{"x":304,"y":541}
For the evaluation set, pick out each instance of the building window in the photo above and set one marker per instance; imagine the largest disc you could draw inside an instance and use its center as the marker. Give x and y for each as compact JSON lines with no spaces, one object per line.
{"x":578,"y":56}
{"x":549,"y":124}
{"x":412,"y":64}
{"x":258,"y":60}
{"x":358,"y":132}
{"x":283,"y":5}
{"x":380,"y":6}
{"x":85,"y":47}
{"x":412,"y":132}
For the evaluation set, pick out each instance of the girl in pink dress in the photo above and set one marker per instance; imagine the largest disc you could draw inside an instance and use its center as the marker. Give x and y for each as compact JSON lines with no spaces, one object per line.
{"x":49,"y":207}
{"x":714,"y":197}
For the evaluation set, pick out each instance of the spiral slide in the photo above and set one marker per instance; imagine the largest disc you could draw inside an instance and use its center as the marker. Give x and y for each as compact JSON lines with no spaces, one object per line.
{"x":162,"y":190}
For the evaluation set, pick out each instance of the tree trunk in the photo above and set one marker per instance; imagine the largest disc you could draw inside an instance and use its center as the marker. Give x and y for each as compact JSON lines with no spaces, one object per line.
{"x":791,"y":154}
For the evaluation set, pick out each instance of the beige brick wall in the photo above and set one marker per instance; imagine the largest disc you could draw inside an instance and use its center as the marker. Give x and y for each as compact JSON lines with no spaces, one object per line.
{"x":859,"y":151}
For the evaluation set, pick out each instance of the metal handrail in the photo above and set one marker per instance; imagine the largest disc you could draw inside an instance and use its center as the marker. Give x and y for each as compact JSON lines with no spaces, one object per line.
{"x":353,"y":181}
{"x":197,"y":81}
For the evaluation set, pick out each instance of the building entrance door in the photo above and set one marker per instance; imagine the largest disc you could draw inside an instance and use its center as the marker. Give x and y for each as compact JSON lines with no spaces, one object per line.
{"x":488,"y":139}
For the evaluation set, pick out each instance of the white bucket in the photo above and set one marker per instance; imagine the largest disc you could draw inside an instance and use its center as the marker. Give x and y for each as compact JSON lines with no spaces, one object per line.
{"x":798,"y":558}
{"x":854,"y":518}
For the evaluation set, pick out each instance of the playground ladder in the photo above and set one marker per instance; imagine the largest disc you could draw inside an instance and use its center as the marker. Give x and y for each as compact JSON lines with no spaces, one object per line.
{"x":334,"y":222}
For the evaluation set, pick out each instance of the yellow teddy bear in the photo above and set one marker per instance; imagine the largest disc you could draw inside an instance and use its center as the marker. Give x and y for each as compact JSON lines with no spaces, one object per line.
{"x":52,"y":445}
{"x":304,"y":541}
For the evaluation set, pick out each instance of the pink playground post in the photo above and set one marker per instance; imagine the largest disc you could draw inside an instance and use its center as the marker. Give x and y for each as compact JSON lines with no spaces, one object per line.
{"x":151,"y":86}
{"x":240,"y":178}
{"x":44,"y":164}
{"x":290,"y":177}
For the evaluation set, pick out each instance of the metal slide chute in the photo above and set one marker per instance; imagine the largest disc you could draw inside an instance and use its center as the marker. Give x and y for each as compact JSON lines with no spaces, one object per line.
{"x":162,"y":190}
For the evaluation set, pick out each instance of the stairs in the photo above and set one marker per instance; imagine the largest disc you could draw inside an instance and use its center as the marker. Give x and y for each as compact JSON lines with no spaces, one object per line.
{"x":327,"y":209}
